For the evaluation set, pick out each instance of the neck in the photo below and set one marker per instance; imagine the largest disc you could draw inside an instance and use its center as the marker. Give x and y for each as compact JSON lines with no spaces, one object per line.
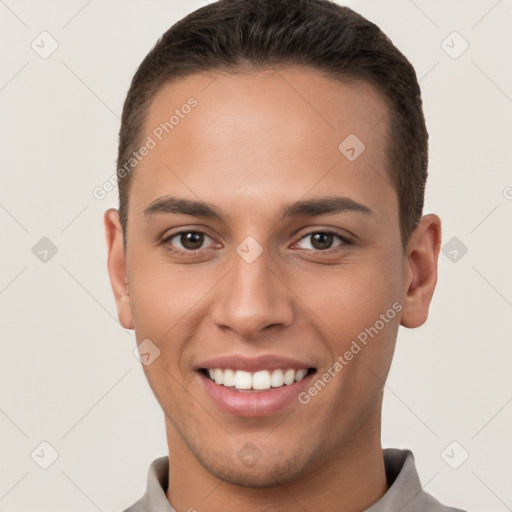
{"x":351,"y":480}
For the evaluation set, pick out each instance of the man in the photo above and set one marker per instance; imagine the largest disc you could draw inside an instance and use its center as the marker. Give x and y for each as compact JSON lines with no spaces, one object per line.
{"x":268,"y":244}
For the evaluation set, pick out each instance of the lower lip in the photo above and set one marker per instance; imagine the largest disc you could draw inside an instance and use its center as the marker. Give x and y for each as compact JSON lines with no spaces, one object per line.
{"x":261,"y":403}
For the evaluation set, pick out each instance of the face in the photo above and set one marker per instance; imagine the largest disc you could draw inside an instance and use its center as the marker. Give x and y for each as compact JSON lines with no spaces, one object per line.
{"x":281,"y":251}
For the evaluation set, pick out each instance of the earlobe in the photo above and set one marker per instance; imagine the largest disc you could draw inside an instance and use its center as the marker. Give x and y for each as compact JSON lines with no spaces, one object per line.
{"x":421,"y":271}
{"x":116,"y":265}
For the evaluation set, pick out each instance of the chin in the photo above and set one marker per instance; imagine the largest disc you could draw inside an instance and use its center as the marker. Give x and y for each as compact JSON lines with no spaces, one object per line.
{"x":268,"y":475}
{"x":266,"y":472}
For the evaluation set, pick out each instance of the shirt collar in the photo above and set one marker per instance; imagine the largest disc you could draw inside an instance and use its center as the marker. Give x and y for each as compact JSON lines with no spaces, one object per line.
{"x":405,"y":493}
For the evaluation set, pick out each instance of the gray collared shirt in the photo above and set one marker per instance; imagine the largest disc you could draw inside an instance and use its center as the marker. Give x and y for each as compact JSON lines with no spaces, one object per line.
{"x":405,"y":493}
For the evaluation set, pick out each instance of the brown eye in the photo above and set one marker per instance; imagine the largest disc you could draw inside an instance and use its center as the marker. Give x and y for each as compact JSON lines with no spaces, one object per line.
{"x":323,"y":240}
{"x":191,"y":240}
{"x":186,"y":242}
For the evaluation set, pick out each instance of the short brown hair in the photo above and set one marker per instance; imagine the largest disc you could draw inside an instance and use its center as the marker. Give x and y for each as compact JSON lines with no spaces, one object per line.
{"x":238,"y":35}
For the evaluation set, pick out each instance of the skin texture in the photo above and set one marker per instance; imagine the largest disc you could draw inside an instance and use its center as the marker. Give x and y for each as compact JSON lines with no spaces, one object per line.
{"x":255,"y":142}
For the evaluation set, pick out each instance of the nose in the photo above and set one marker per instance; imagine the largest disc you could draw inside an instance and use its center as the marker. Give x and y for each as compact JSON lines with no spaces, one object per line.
{"x":253,"y":298}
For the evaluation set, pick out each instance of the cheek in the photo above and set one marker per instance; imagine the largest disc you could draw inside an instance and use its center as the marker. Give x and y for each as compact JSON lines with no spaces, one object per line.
{"x":161,"y":296}
{"x":367,"y":325}
{"x":168,"y":305}
{"x":350,"y":298}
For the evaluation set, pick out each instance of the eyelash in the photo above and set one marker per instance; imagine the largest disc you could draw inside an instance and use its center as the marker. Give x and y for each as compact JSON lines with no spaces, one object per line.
{"x":179,"y":252}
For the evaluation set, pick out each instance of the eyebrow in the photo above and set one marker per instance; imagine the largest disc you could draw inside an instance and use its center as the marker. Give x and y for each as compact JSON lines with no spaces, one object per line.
{"x":304,"y":208}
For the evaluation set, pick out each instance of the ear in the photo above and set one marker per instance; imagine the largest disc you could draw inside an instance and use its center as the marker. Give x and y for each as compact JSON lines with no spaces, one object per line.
{"x":117,"y":267}
{"x":420,"y":276}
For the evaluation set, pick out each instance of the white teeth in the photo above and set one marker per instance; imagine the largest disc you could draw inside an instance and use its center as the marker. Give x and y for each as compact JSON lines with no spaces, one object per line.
{"x":289,"y":377}
{"x":229,"y":378}
{"x":300,"y":374}
{"x":260,"y":380}
{"x":277,"y":379}
{"x":243,"y":380}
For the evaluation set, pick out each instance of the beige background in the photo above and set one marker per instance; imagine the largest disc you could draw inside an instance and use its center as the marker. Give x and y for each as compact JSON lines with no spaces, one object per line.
{"x":67,"y":372}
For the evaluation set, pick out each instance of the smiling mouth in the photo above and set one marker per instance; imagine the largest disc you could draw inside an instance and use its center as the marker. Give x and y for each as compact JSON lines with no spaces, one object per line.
{"x":256,"y":382}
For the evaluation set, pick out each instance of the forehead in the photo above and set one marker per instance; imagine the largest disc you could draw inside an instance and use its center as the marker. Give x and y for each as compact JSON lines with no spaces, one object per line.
{"x":271,"y":134}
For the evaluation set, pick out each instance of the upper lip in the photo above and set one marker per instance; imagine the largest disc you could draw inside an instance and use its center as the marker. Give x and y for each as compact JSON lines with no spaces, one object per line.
{"x":252,"y":364}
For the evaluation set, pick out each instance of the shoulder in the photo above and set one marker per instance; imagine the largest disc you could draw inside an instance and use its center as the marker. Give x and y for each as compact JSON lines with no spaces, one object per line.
{"x":155,"y":499}
{"x":430,"y":504}
{"x":406,"y":493}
